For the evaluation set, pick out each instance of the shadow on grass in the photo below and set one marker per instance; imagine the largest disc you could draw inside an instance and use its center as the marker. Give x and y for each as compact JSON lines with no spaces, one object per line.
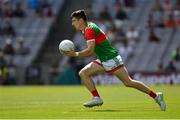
{"x":109,"y":110}
{"x":103,"y":110}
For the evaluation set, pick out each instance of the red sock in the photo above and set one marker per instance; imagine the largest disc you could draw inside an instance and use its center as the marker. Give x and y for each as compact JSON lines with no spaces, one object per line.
{"x":152,"y":94}
{"x":95,"y":93}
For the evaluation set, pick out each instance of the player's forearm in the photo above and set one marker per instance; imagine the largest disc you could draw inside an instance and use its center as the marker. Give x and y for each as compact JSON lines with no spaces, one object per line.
{"x":84,"y":53}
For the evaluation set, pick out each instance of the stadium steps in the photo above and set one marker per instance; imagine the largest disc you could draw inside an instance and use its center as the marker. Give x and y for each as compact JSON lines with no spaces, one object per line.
{"x":140,"y":21}
{"x":140,"y":48}
{"x":161,"y":49}
{"x":148,"y":55}
{"x":61,"y":29}
{"x":175,"y":42}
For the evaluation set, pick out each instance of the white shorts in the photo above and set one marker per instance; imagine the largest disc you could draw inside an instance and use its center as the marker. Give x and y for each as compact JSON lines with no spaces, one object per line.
{"x":111,"y":65}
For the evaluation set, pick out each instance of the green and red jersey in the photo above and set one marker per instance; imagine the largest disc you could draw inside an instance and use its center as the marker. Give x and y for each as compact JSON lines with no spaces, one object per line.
{"x":103,"y":48}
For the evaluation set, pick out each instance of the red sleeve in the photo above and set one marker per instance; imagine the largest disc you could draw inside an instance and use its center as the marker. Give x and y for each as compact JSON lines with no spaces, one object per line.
{"x":89,"y":34}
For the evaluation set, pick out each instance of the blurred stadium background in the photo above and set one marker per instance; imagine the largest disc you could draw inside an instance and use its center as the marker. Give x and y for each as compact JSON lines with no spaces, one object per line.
{"x":146,"y":33}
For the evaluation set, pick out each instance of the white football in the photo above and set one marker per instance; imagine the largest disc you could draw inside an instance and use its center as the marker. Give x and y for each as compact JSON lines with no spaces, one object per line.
{"x":66,"y":45}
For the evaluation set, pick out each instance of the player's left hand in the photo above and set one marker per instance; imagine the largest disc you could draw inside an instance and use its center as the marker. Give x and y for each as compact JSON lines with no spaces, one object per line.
{"x":69,"y":53}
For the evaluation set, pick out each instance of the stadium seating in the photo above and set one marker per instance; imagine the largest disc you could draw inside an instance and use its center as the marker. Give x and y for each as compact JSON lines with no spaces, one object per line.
{"x":33,"y":29}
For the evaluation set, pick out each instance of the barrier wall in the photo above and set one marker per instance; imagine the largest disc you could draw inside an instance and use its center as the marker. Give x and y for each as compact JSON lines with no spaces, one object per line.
{"x":149,"y":78}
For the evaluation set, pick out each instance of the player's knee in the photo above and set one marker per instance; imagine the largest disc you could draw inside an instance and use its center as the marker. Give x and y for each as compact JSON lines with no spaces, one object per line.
{"x":82,"y":73}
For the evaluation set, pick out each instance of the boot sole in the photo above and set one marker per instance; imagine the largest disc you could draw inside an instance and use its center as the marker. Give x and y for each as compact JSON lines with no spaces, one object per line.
{"x":93,"y":105}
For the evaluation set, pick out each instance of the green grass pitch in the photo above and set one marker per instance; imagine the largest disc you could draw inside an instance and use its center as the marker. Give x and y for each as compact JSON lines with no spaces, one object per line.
{"x":63,"y":102}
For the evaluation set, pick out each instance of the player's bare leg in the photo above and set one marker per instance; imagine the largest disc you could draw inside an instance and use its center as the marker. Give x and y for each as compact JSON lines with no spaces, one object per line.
{"x":123,"y":75}
{"x":85,"y":74}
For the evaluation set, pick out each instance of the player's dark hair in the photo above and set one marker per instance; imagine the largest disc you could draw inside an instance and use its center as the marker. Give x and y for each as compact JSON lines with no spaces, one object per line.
{"x":79,"y":14}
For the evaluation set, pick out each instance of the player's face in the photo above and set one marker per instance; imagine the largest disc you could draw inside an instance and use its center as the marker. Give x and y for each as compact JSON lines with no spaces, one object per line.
{"x":76,"y":23}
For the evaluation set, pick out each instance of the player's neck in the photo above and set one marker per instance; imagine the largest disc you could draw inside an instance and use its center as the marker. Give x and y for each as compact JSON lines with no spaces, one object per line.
{"x":84,"y":26}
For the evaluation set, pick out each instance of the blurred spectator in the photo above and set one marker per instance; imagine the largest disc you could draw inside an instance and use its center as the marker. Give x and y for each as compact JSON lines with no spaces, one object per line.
{"x":125,"y":50}
{"x":3,"y":68}
{"x":118,"y":4}
{"x":171,"y":67}
{"x":120,"y":17}
{"x":20,"y":48}
{"x":9,"y":51}
{"x":156,"y":19}
{"x":153,"y":37}
{"x":8,"y":48}
{"x":48,"y":12}
{"x":177,"y":8}
{"x":121,"y":14}
{"x":176,"y":54}
{"x":167,"y":7}
{"x":132,"y":35}
{"x":157,"y":7}
{"x":8,"y":29}
{"x":11,"y":79}
{"x":171,"y":22}
{"x":39,"y":11}
{"x":33,"y":74}
{"x":112,"y":34}
{"x":44,"y":9}
{"x":160,"y":67}
{"x":18,"y":12}
{"x":33,"y":4}
{"x":129,"y":3}
{"x":156,"y":15}
{"x":6,"y":9}
{"x":44,"y":3}
{"x":104,"y":14}
{"x":121,"y":35}
{"x":159,"y":21}
{"x":150,"y":21}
